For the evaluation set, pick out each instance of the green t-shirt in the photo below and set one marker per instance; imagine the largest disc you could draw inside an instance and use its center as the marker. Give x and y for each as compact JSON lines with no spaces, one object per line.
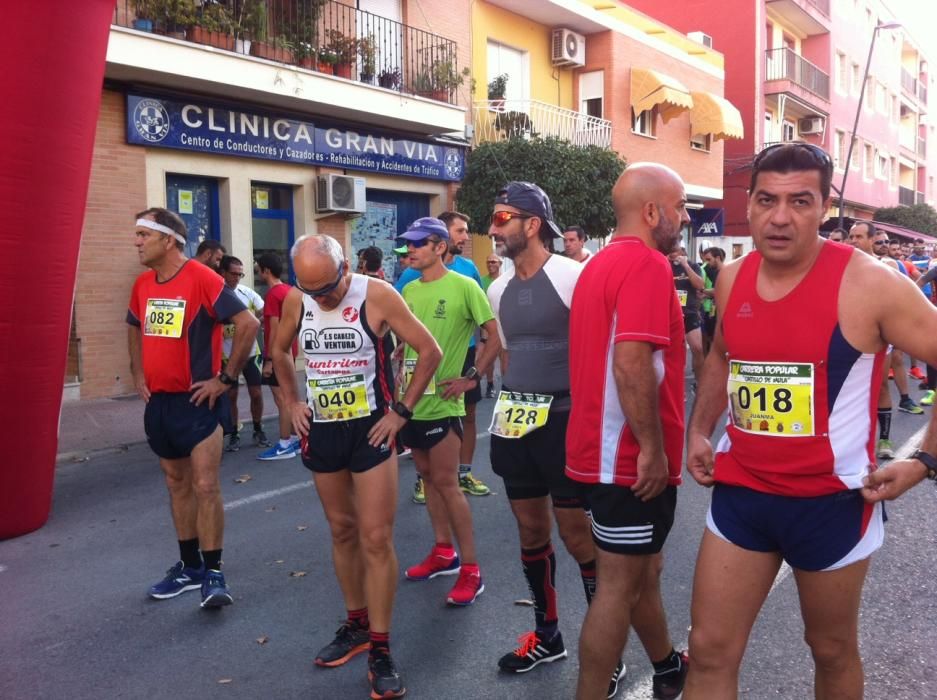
{"x":486,"y":282}
{"x":450,"y":307}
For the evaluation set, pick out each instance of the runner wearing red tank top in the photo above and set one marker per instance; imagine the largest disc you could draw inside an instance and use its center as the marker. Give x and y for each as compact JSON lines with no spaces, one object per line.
{"x":792,"y":472}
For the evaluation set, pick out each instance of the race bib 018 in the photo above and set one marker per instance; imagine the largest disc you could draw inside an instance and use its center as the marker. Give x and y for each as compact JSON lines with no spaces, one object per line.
{"x":338,"y":398}
{"x":517,"y":414}
{"x":164,"y":317}
{"x":772,"y":398}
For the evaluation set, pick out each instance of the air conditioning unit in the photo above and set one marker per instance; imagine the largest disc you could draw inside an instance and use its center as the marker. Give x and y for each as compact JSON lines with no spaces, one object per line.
{"x":341,"y":193}
{"x":568,"y":48}
{"x":810,"y":125}
{"x":701,"y":38}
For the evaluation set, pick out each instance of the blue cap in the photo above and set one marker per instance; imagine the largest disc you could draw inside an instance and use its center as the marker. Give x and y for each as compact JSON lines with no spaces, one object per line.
{"x":529,"y":198}
{"x":424,"y":228}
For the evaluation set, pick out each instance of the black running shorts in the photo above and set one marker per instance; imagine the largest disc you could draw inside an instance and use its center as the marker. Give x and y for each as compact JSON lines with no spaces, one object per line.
{"x":251,"y":370}
{"x":332,"y":447}
{"x":534,"y":466}
{"x":426,"y":434}
{"x":624,"y":524}
{"x":691,"y":321}
{"x":174,"y":425}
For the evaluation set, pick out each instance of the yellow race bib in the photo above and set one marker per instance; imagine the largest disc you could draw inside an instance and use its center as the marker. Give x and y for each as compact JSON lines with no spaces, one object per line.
{"x":408,"y":367}
{"x":517,"y":414}
{"x":772,"y":398}
{"x":682,"y":295}
{"x":164,"y":317}
{"x":338,"y":398}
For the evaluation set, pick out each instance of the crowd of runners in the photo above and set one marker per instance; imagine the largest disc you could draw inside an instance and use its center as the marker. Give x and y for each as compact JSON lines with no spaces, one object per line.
{"x":790,"y":346}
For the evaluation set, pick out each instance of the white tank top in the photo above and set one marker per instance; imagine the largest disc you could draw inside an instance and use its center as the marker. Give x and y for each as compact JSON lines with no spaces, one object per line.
{"x":347,"y":367}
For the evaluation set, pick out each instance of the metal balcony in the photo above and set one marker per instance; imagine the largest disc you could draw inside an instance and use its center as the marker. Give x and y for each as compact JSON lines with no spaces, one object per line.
{"x":905,"y":196}
{"x":908,"y":82}
{"x":329,"y":37}
{"x":499,"y":120}
{"x":922,"y":92}
{"x":785,"y":64}
{"x":922,"y":146}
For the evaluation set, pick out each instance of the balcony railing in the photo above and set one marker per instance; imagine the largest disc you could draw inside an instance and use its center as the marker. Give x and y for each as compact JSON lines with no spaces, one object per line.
{"x":784,"y":64}
{"x":322,"y":35}
{"x":905,"y":196}
{"x":922,"y":146}
{"x":908,"y":82}
{"x":499,"y":120}
{"x":922,"y":91}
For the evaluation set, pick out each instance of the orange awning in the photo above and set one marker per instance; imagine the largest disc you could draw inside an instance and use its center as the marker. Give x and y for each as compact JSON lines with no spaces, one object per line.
{"x":715,"y":115}
{"x":651,"y":89}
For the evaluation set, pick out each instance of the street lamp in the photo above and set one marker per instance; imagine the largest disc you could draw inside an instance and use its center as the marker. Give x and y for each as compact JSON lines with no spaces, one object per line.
{"x":855,"y":125}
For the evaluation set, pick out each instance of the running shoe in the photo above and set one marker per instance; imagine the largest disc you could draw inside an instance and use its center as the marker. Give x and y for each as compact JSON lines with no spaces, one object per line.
{"x":916,"y":373}
{"x":617,"y":676}
{"x":472,"y":486}
{"x":468,"y":587}
{"x":419,"y":492}
{"x":404,"y":452}
{"x":350,"y":639}
{"x":278,"y":452}
{"x":908,"y":406}
{"x":669,"y":684}
{"x":260,"y":439}
{"x":923,"y":386}
{"x":928,"y":398}
{"x":885,"y":449}
{"x":384,"y":677}
{"x":215,"y":592}
{"x":436,"y":564}
{"x":532,"y":652}
{"x":234,"y":443}
{"x":178,"y":579}
{"x":490,"y":392}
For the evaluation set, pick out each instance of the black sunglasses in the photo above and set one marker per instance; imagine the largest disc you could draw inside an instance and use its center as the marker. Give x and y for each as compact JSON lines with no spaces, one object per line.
{"x":822,"y":157}
{"x":322,"y":291}
{"x":423,"y":242}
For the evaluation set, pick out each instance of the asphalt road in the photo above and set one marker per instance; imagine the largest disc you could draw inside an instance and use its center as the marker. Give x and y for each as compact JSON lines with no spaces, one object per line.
{"x":76,"y":622}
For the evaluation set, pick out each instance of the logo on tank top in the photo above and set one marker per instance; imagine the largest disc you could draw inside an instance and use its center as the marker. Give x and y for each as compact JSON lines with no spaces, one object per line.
{"x":332,"y":340}
{"x":309,"y":315}
{"x":745,"y":311}
{"x":350,"y":314}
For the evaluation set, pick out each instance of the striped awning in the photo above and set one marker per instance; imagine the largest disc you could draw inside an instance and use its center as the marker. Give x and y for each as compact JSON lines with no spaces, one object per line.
{"x":651,"y":89}
{"x":715,"y":115}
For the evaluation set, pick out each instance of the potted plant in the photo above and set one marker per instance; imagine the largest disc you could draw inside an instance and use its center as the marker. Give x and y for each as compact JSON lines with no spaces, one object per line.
{"x":497,"y":88}
{"x":422,"y":84}
{"x":143,"y":11}
{"x":171,"y":17}
{"x":390,"y":79}
{"x":327,"y":59}
{"x":367,"y":51}
{"x":250,"y":24}
{"x":214,"y":27}
{"x":346,"y":51}
{"x":445,"y":79}
{"x":278,"y":49}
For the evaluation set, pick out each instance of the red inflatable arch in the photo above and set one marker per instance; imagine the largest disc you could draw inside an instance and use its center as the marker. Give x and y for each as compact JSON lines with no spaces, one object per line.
{"x":52,"y":59}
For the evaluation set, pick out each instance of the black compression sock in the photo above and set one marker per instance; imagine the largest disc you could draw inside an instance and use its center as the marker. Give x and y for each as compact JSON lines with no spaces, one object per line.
{"x":587,"y":572}
{"x":257,"y":426}
{"x":884,"y":423}
{"x":212,"y":559}
{"x":540,"y":571}
{"x":188,"y":553}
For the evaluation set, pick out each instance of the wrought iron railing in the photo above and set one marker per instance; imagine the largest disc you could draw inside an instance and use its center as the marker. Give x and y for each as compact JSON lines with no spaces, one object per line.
{"x":905,"y":196}
{"x":908,"y":82}
{"x":785,"y":64}
{"x":322,"y":35}
{"x":499,"y":120}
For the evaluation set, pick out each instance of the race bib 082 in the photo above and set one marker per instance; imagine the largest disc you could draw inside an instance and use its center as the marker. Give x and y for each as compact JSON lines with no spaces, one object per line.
{"x":164,"y":317}
{"x":772,"y":398}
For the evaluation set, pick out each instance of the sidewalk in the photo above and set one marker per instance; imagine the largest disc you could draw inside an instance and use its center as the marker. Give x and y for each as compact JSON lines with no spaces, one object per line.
{"x":104,"y":425}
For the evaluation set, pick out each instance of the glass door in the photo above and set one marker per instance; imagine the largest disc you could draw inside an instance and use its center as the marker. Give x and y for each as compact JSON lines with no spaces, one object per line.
{"x":272,"y":226}
{"x":195,"y":199}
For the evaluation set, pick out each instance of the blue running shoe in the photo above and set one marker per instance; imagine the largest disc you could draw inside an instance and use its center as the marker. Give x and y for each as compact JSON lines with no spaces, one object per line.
{"x":277,"y":452}
{"x":178,"y":580}
{"x":214,"y":590}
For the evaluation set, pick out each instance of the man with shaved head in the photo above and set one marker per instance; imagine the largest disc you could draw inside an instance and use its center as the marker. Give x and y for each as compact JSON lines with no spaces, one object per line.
{"x":343,"y":320}
{"x":625,"y":435}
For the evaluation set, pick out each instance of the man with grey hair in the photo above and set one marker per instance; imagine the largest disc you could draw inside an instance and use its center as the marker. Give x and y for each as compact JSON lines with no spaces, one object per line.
{"x":348,"y":423}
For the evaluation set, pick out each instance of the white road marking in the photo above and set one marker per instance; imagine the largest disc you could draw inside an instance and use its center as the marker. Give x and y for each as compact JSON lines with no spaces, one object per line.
{"x":2,"y":568}
{"x":263,"y":496}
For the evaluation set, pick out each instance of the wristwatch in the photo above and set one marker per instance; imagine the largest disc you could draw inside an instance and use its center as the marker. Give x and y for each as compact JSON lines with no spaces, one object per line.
{"x":929,"y":462}
{"x":400,"y":408}
{"x":226,"y":380}
{"x":472,"y":373}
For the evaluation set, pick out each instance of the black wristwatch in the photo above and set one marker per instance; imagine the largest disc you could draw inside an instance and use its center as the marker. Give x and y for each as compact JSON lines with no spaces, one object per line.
{"x":929,"y":462}
{"x":226,"y":380}
{"x":400,"y":408}
{"x":472,"y":373}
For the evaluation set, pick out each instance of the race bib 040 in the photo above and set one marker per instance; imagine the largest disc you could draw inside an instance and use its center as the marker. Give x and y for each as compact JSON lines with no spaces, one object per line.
{"x":517,"y":414}
{"x":164,"y":317}
{"x":338,"y":398}
{"x":772,"y":398}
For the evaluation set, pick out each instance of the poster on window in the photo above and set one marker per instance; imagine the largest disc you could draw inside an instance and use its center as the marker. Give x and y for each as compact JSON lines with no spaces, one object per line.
{"x":377,"y":227}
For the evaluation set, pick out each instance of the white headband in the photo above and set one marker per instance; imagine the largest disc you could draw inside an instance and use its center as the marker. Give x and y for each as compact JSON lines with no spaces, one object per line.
{"x":152,"y":225}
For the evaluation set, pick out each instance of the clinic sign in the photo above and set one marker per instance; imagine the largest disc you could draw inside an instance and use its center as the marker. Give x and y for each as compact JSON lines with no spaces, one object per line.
{"x":193,"y":125}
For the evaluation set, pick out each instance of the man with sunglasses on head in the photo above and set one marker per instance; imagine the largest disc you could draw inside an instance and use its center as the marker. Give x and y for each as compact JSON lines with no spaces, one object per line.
{"x":451,"y":306}
{"x":348,"y":423}
{"x":232,"y":271}
{"x":528,"y":431}
{"x":793,"y":477}
{"x":457,"y":225}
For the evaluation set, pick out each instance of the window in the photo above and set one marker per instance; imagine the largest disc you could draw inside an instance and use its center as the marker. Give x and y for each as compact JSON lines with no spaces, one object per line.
{"x":893,"y":172}
{"x":895,"y":112}
{"x":881,"y":98}
{"x":842,"y":77}
{"x":868,"y":161}
{"x":854,"y":163}
{"x":788,"y":130}
{"x":591,"y":93}
{"x":644,"y":123}
{"x":839,"y":150}
{"x":769,"y":136}
{"x":513,"y":63}
{"x":856,"y":74}
{"x":881,"y":166}
{"x":701,"y":142}
{"x":869,"y":93}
